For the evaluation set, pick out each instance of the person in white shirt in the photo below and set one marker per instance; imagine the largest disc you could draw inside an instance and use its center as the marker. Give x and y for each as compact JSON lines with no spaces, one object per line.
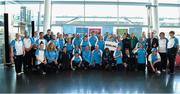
{"x":41,"y":59}
{"x":163,"y":50}
{"x":28,"y":44}
{"x":17,"y":53}
{"x":172,"y":48}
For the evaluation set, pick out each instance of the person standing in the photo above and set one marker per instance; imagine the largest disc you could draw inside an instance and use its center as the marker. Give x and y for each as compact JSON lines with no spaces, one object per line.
{"x":173,"y":46}
{"x":163,"y":50}
{"x":48,"y":36}
{"x":17,"y":53}
{"x":93,"y":39}
{"x":28,"y":44}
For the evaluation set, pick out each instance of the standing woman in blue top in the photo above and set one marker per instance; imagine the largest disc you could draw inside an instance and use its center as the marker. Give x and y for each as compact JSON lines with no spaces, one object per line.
{"x":41,"y":59}
{"x":17,"y":52}
{"x":61,"y":42}
{"x":76,"y":41}
{"x":93,"y":39}
{"x":87,"y":56}
{"x":85,"y":42}
{"x":52,"y":56}
{"x":28,"y":44}
{"x":97,"y":57}
{"x":118,"y":58}
{"x":69,"y":47}
{"x":172,"y":48}
{"x":101,"y":43}
{"x":76,"y":61}
{"x":141,"y":57}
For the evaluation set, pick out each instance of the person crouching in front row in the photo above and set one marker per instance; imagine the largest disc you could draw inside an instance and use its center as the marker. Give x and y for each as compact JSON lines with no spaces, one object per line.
{"x":107,"y":59}
{"x":155,"y":61}
{"x":97,"y":57}
{"x":87,"y":56}
{"x":40,"y":59}
{"x":52,"y":56}
{"x":118,"y":58}
{"x":76,"y":61}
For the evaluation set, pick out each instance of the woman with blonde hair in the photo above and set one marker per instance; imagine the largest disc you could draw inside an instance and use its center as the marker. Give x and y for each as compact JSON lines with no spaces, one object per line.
{"x":52,"y":56}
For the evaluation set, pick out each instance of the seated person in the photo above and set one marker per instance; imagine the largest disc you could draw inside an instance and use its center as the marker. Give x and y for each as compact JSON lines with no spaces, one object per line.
{"x":154,"y":61}
{"x":107,"y":59}
{"x":87,"y":56}
{"x":118,"y":58}
{"x":76,"y":61}
{"x":40,"y":59}
{"x":97,"y":57}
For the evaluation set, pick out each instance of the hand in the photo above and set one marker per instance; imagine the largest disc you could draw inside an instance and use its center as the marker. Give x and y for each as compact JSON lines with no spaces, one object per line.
{"x":24,"y":53}
{"x":11,"y":59}
{"x":79,"y":65}
{"x":55,"y":62}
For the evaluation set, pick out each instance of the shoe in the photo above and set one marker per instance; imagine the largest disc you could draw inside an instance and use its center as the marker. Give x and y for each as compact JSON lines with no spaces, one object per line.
{"x":158,"y":72}
{"x":73,"y":69}
{"x":163,"y":70}
{"x":44,"y":73}
{"x":22,"y":72}
{"x":18,"y":74}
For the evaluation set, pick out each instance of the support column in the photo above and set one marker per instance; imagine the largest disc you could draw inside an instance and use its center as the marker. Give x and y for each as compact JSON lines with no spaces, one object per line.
{"x":47,"y":15}
{"x":156,"y":17}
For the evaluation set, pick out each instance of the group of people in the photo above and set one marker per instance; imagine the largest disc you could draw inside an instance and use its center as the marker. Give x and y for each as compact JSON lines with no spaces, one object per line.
{"x":55,"y":53}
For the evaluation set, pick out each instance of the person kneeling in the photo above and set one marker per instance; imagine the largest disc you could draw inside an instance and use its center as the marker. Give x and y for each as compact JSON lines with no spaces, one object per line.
{"x":76,"y":61}
{"x":52,"y":56}
{"x":40,"y":59}
{"x":118,"y":57}
{"x":154,"y":61}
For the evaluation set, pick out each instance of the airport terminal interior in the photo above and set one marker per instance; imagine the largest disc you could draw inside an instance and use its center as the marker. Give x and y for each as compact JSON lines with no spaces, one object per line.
{"x":79,"y":17}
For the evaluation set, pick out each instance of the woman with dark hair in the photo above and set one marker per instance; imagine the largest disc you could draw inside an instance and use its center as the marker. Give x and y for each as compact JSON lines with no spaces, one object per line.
{"x":65,"y":59}
{"x":107,"y":59}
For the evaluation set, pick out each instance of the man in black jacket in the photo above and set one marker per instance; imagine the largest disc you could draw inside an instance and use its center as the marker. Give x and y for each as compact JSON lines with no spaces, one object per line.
{"x":152,"y":42}
{"x":48,"y":36}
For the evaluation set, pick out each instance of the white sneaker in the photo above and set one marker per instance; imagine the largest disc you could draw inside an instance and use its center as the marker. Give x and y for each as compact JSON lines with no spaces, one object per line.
{"x":22,"y":72}
{"x":18,"y":74}
{"x":164,"y":70}
{"x":158,"y":72}
{"x":44,"y":73}
{"x":73,"y":69}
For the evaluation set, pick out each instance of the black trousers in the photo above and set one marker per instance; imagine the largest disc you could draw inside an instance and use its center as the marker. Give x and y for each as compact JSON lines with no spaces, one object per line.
{"x":156,"y":66}
{"x":33,"y":56}
{"x":98,"y":67}
{"x":120,"y":67}
{"x":75,"y":65}
{"x":18,"y":60}
{"x":163,"y":65}
{"x":41,"y":67}
{"x":141,"y":67}
{"x":171,"y":57}
{"x":106,"y":64}
{"x":27,"y":60}
{"x":51,"y":67}
{"x":86,"y":64}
